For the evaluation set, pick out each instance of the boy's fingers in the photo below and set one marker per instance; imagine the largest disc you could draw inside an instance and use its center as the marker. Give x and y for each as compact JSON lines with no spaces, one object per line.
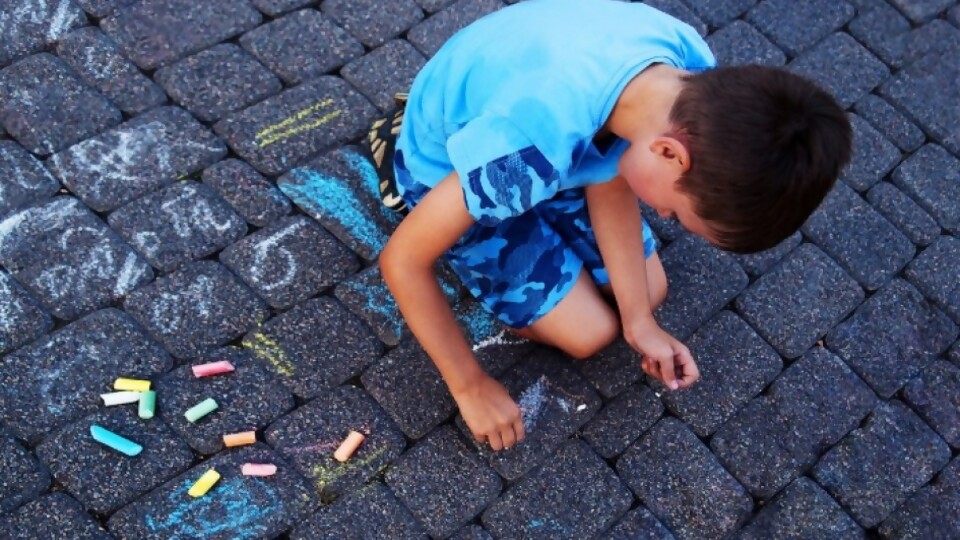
{"x":507,"y":435}
{"x":689,"y":367}
{"x":495,"y":442}
{"x":666,"y":368}
{"x":518,"y":429}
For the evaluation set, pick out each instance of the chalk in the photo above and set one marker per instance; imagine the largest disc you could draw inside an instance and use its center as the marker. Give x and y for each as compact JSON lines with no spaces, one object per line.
{"x":200,"y":410}
{"x":148,"y":402}
{"x":240,"y":439}
{"x":212,"y":368}
{"x":136,"y":385}
{"x":581,"y":407}
{"x":120,"y":444}
{"x":204,"y":483}
{"x":348,"y":446}
{"x":258,"y":469}
{"x":120,"y":398}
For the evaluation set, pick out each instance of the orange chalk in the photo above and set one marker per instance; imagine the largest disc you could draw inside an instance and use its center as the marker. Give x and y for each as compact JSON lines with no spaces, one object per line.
{"x":240,"y":439}
{"x":348,"y":446}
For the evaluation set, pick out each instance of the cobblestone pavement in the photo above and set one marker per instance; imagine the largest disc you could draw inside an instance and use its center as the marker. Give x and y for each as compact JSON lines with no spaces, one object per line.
{"x":180,"y":183}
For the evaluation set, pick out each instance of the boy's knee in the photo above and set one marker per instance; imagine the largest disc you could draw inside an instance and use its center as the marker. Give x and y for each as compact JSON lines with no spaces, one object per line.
{"x":590,"y":342}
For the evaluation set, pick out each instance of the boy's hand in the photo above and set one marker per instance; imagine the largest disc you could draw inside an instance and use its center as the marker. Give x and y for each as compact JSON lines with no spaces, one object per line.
{"x":664,"y":357}
{"x":491,"y":414}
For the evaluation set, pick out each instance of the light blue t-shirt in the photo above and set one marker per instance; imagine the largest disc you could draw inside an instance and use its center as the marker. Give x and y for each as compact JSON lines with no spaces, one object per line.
{"x":512,"y":102}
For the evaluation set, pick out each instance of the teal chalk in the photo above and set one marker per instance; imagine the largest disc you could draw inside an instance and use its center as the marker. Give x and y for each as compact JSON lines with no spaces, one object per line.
{"x":200,"y":410}
{"x":148,"y":401}
{"x":111,"y":439}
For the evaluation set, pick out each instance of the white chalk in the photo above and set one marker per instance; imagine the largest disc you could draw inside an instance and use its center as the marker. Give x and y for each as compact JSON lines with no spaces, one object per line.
{"x":581,"y":407}
{"x":120,"y":398}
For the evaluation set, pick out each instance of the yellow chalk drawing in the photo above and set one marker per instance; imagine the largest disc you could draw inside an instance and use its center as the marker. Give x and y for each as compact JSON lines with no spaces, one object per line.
{"x":325,"y":473}
{"x":268,"y":349}
{"x":287,"y":128}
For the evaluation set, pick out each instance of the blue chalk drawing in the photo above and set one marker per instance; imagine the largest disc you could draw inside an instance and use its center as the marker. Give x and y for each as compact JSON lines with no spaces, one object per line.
{"x":370,"y":181}
{"x":479,"y":323}
{"x":380,"y":301}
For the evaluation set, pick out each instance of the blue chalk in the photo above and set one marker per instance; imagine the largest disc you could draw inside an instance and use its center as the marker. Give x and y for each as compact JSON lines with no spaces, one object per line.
{"x":111,"y":439}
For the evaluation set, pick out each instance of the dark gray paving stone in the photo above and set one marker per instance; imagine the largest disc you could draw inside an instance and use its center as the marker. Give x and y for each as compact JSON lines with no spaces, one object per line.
{"x":757,"y":264}
{"x":56,"y":516}
{"x":922,"y":517}
{"x":338,"y":191}
{"x":797,"y":302}
{"x":369,"y":512}
{"x":666,"y":229}
{"x":741,"y":43}
{"x":954,"y":354}
{"x":735,"y":365}
{"x":776,"y":437}
{"x":703,"y":280}
{"x":58,"y":378}
{"x":315,"y":346}
{"x":554,"y":402}
{"x":921,"y":11}
{"x":371,"y":21}
{"x":248,"y":192}
{"x":678,"y":9}
{"x":472,"y":532}
{"x":575,"y":494}
{"x":298,"y":124}
{"x":841,"y":66}
{"x":432,"y":33}
{"x":803,"y":510}
{"x":882,"y":29}
{"x":309,"y":436}
{"x":622,"y":420}
{"x":237,"y":506}
{"x":218,"y":81}
{"x":873,"y":156}
{"x":278,"y":7}
{"x":29,"y":26}
{"x":443,"y":482}
{"x":24,"y":478}
{"x":892,"y":337}
{"x":431,"y":6}
{"x":936,"y":37}
{"x":103,"y":479}
{"x":903,"y":212}
{"x":46,"y":107}
{"x":865,"y":244}
{"x":68,"y":258}
{"x":875,"y":468}
{"x":22,"y":319}
{"x":248,"y":399}
{"x":934,"y":272}
{"x":178,"y":224}
{"x":890,"y":122}
{"x":493,"y":345}
{"x":385,"y":72}
{"x":932,"y":177}
{"x":795,"y":26}
{"x":614,"y":369}
{"x":934,"y":395}
{"x":954,"y":16}
{"x":142,"y":155}
{"x":27,"y":180}
{"x":719,"y":12}
{"x":302,"y":45}
{"x":682,"y":483}
{"x":98,"y":61}
{"x":195,"y":309}
{"x":291,"y":260}
{"x":158,"y":33}
{"x":924,"y":91}
{"x":102,"y":8}
{"x":639,"y":524}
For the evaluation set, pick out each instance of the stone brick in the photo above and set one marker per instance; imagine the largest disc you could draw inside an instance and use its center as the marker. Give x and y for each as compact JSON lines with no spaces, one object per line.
{"x":937,"y":37}
{"x":57,"y":379}
{"x":371,"y":511}
{"x":493,"y":346}
{"x":573,"y":495}
{"x":24,"y":478}
{"x":679,"y":10}
{"x":841,"y":66}
{"x":924,"y":91}
{"x":740,"y":43}
{"x":875,"y":468}
{"x":248,"y":192}
{"x":68,"y":258}
{"x":278,"y":7}
{"x":718,"y":13}
{"x":431,"y":6}
{"x":890,"y":122}
{"x":315,"y":346}
{"x":882,"y":29}
{"x":195,"y":309}
{"x":803,"y":510}
{"x":921,"y":11}
{"x":795,"y":26}
{"x":23,"y":319}
{"x":934,"y":273}
{"x":46,"y":107}
{"x":28,"y":180}
{"x":682,"y":483}
{"x":613,"y":369}
{"x":903,"y":212}
{"x":102,"y":8}
{"x":623,"y":420}
{"x":931,"y":176}
{"x":158,"y":33}
{"x":922,"y":516}
{"x":639,"y":524}
{"x":472,"y":532}
{"x":53,"y":517}
{"x":371,"y":21}
{"x":797,"y":302}
{"x":666,"y":229}
{"x":873,"y":156}
{"x":432,"y":33}
{"x":140,"y":156}
{"x":756,"y":264}
{"x":29,"y":26}
{"x":218,"y":81}
{"x":934,"y":395}
{"x":385,"y":72}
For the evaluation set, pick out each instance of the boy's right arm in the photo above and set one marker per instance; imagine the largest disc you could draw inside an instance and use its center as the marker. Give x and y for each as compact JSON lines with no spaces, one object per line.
{"x":406,"y":263}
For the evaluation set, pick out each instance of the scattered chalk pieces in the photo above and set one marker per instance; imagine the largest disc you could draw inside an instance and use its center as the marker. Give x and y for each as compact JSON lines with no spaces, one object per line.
{"x":348,"y":446}
{"x":120,"y":444}
{"x":148,"y":402}
{"x":212,"y":368}
{"x":581,"y":407}
{"x":120,"y":398}
{"x":204,"y":483}
{"x":258,"y":469}
{"x":200,"y":410}
{"x":135,"y":385}
{"x":240,"y":439}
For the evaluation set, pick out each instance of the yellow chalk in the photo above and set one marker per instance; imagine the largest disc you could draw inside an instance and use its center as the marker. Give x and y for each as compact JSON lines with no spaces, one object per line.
{"x":204,"y":483}
{"x":135,"y":385}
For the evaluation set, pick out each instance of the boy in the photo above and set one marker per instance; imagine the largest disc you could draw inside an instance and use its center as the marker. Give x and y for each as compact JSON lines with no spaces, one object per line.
{"x":524,"y":146}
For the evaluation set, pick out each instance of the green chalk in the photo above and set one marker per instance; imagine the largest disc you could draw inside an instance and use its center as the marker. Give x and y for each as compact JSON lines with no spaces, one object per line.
{"x":148,"y":400}
{"x":201,"y":409}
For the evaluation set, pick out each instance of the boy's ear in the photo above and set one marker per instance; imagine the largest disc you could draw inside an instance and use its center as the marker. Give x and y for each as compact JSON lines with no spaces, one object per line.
{"x":672,"y":150}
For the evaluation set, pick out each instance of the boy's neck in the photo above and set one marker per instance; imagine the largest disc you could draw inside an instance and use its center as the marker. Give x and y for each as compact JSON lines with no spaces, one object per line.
{"x":643,"y":108}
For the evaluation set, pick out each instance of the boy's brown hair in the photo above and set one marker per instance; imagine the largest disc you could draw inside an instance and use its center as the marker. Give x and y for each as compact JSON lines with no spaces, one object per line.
{"x":766,"y":146}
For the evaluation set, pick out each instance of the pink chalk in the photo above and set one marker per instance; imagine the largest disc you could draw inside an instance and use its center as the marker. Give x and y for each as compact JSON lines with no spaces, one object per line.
{"x":258,"y":469}
{"x":213,"y":368}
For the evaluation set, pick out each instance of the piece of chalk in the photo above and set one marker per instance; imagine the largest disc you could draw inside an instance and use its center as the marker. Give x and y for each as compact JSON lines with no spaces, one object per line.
{"x":136,"y":385}
{"x":148,"y":402}
{"x":204,"y":483}
{"x":240,"y":439}
{"x":200,"y":410}
{"x":258,"y":469}
{"x":120,"y":398}
{"x":111,"y":439}
{"x":348,"y":446}
{"x":213,"y":368}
